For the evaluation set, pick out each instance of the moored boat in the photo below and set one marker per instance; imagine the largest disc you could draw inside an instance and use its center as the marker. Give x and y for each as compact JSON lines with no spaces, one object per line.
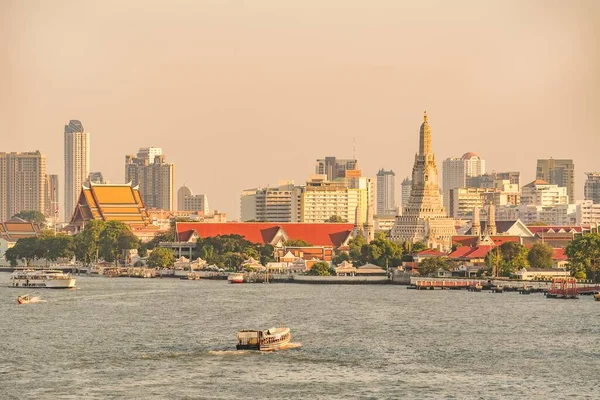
{"x":236,"y":278}
{"x":597,"y":296}
{"x":267,"y":340}
{"x":53,"y":279}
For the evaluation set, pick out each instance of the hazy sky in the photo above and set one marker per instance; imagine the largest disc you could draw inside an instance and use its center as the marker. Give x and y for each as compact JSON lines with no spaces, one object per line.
{"x":242,"y":94}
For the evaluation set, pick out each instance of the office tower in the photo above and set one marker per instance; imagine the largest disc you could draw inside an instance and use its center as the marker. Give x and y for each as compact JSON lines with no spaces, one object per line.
{"x":149,"y":153}
{"x":406,"y":187}
{"x":334,"y":168}
{"x":268,"y":204}
{"x":322,"y":199}
{"x":541,"y":193}
{"x":386,"y":193}
{"x":591,"y":189}
{"x":77,"y":164}
{"x":456,"y":172}
{"x":558,"y":172}
{"x":22,"y":183}
{"x":424,"y":218}
{"x":156,"y":180}
{"x":96,"y":177}
{"x":182,"y":193}
{"x":488,"y":180}
{"x":51,"y":206}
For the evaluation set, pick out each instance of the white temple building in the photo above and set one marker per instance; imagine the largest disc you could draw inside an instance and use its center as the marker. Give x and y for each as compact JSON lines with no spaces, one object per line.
{"x":424,"y":218}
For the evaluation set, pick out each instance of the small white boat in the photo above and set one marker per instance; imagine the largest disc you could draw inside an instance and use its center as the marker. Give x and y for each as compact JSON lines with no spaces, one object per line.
{"x":597,"y":296}
{"x":27,"y":299}
{"x":236,"y":278}
{"x":267,"y":340}
{"x":53,"y":279}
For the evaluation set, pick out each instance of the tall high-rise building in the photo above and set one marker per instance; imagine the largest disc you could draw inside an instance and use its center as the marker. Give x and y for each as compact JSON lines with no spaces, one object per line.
{"x":386,"y":193}
{"x":77,"y":164}
{"x":335,"y":168}
{"x":149,"y":153}
{"x":406,"y":187}
{"x":456,"y":173}
{"x":182,"y":193}
{"x":424,"y":219}
{"x":97,"y":177}
{"x":268,"y":204}
{"x":558,"y":172}
{"x":156,"y":180}
{"x":22,"y":183}
{"x":488,"y":180}
{"x":51,"y":197}
{"x":591,"y":190}
{"x":349,"y":199}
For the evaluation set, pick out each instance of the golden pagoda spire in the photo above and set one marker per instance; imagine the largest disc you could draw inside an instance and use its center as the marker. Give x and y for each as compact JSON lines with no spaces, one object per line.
{"x":425,"y":136}
{"x":425,"y":116}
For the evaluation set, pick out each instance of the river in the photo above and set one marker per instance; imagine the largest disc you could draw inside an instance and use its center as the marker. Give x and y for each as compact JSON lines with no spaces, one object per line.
{"x":168,"y":338}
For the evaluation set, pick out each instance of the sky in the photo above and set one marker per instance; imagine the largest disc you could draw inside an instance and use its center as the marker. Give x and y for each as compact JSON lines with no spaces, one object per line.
{"x":242,"y":94}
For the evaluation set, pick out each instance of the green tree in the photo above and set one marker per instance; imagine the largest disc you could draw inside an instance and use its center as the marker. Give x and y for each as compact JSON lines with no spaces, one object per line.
{"x":584,"y":255}
{"x":336,"y":219}
{"x":31,"y":216}
{"x":62,"y":247}
{"x":320,"y":268}
{"x":430,"y":265}
{"x":514,"y":257}
{"x":109,"y":240}
{"x":27,"y":249}
{"x":540,"y":256}
{"x":161,"y":258}
{"x":355,"y":251}
{"x":341,"y":257}
{"x":86,"y":243}
{"x":296,"y":243}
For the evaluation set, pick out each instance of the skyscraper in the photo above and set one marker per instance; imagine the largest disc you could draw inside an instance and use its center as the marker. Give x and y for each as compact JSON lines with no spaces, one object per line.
{"x":22,"y":183}
{"x":386,"y":193}
{"x":558,"y":172}
{"x":424,"y":219}
{"x":406,"y":187}
{"x":334,"y":168}
{"x":156,"y":180}
{"x":591,"y":189}
{"x":51,"y":197}
{"x":268,"y":204}
{"x":456,"y":172}
{"x":182,"y":193}
{"x":77,"y":164}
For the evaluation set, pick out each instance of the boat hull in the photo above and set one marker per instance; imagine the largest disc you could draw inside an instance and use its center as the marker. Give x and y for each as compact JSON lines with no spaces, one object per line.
{"x":42,"y":279}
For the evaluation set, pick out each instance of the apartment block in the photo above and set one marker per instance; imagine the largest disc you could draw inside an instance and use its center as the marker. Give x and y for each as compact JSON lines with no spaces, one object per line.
{"x":22,"y":183}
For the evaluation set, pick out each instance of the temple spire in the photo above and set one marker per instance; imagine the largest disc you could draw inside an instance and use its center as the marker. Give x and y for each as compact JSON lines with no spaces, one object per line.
{"x":425,"y":137}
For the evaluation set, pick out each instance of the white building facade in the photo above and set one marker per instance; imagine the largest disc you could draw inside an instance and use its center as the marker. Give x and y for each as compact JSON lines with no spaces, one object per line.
{"x":77,"y":164}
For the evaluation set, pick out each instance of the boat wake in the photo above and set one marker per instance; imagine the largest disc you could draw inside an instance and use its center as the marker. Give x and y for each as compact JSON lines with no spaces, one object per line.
{"x":242,"y":352}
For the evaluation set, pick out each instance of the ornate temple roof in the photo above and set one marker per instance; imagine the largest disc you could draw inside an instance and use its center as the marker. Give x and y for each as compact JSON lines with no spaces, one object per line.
{"x":110,"y":202}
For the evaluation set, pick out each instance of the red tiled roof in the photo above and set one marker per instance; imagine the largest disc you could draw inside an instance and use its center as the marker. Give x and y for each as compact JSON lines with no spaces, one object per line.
{"x":461,"y":252}
{"x":466,"y":240}
{"x":431,"y":252}
{"x":480,"y":252}
{"x":540,"y":229}
{"x":559,"y":255}
{"x":263,"y":232}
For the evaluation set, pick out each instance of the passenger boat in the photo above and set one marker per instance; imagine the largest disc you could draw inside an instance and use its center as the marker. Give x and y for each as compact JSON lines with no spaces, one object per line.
{"x":236,"y":278}
{"x":26,"y":299}
{"x":498,"y":289}
{"x":267,"y":340}
{"x":53,"y":279}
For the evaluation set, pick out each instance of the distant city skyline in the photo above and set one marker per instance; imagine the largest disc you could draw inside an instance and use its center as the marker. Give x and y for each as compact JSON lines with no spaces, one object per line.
{"x":269,"y":89}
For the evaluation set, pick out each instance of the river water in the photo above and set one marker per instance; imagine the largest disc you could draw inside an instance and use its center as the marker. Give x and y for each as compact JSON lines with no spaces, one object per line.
{"x":168,"y":338}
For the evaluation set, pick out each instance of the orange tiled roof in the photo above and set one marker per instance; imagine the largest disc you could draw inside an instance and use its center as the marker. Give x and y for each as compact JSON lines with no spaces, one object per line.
{"x":263,"y":232}
{"x":111,"y":202}
{"x":17,"y":228}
